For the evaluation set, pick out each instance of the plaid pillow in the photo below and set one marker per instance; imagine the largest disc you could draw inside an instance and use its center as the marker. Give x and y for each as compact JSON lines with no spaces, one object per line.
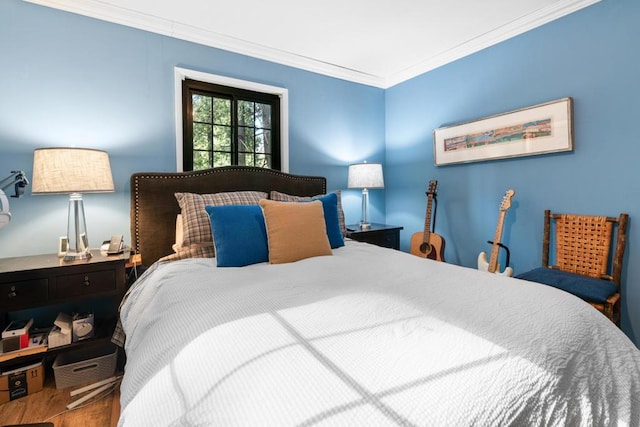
{"x":193,"y":251}
{"x":195,"y":220}
{"x":282,"y":197}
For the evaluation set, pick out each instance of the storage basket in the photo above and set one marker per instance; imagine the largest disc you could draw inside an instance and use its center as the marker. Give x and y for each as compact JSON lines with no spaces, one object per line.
{"x":85,"y":365}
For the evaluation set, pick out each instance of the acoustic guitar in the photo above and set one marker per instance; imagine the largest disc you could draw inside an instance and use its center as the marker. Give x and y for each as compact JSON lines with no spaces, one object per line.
{"x":492,"y":266}
{"x":428,"y":244}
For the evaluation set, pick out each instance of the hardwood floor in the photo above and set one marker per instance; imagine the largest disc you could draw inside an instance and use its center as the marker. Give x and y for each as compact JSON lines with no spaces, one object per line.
{"x":41,"y":406}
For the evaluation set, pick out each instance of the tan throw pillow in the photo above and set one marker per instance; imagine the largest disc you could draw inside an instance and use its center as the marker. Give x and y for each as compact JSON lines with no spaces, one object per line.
{"x":283,"y":197}
{"x":195,"y":220}
{"x":295,"y":231}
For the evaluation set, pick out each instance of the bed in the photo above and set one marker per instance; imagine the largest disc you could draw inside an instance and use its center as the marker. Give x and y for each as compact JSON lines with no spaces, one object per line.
{"x":361,"y":336}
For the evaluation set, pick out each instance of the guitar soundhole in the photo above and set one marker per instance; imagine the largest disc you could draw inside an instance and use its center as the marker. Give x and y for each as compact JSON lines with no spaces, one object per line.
{"x":425,"y":248}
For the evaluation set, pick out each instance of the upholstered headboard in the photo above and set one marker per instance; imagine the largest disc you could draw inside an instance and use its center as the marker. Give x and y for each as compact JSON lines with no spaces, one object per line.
{"x":154,"y":207}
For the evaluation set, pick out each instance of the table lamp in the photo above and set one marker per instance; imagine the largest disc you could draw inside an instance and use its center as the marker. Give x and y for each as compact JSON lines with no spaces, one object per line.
{"x":72,"y":171}
{"x":366,"y":176}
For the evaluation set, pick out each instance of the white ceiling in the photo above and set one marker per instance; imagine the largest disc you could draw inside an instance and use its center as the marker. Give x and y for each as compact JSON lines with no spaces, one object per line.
{"x":374,"y":42}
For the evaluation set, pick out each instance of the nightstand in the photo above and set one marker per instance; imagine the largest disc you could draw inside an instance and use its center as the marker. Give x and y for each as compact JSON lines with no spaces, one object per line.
{"x":387,"y":236}
{"x":45,"y":280}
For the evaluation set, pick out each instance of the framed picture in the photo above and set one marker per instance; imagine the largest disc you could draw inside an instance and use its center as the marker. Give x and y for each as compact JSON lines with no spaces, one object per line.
{"x":540,"y":129}
{"x":63,"y":246}
{"x":84,"y":242}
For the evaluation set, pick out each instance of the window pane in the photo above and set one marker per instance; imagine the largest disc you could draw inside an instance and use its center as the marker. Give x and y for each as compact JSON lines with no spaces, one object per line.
{"x":245,"y":113}
{"x":245,"y":139}
{"x":201,"y":160}
{"x":201,"y":136}
{"x":245,"y":159}
{"x":221,"y":159}
{"x":227,"y":126}
{"x":263,"y":141}
{"x":222,"y":138}
{"x":222,"y":111}
{"x":263,"y":160}
{"x":201,"y":108}
{"x":263,"y":116}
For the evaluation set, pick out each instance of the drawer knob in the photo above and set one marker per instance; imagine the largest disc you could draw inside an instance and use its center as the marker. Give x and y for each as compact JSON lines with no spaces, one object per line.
{"x":13,"y":293}
{"x":86,"y":281}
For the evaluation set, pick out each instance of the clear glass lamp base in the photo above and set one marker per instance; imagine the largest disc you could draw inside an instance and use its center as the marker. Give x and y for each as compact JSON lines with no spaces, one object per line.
{"x":77,"y":230}
{"x":76,"y":255}
{"x":364,"y":222}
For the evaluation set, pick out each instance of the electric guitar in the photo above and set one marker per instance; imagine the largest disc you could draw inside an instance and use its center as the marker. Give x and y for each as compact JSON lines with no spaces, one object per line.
{"x":428,"y":244}
{"x":492,"y":266}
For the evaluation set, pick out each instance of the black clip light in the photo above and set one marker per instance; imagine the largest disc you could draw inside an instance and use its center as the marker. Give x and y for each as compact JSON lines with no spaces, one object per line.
{"x":19,"y":180}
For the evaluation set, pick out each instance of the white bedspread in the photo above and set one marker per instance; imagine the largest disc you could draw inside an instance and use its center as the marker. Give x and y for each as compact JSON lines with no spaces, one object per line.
{"x":368,"y":337}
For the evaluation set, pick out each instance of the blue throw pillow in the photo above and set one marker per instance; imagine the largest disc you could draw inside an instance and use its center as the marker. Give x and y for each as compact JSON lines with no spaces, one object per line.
{"x":587,"y":288}
{"x":330,"y":207}
{"x":239,"y":235}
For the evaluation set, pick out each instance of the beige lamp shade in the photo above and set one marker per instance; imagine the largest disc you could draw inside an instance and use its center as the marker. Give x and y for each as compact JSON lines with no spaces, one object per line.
{"x":71,"y":170}
{"x":365,"y":175}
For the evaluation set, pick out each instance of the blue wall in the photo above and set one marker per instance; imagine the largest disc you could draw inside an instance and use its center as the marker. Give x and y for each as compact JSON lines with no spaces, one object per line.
{"x":69,"y":80}
{"x":590,"y":56}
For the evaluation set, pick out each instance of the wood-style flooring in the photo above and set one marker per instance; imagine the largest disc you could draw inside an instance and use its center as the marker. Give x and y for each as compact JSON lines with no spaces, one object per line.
{"x":41,"y":406}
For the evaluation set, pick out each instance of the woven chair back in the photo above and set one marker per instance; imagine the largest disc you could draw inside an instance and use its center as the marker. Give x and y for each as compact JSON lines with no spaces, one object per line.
{"x":583,"y":243}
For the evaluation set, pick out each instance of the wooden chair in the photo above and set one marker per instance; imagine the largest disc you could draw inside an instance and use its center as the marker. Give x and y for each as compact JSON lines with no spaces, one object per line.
{"x":583,"y":261}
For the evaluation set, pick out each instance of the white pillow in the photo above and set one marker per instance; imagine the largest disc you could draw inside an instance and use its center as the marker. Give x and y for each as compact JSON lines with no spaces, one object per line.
{"x":179,"y":234}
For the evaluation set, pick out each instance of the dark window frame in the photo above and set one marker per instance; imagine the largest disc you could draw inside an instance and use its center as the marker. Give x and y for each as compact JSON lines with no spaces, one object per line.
{"x":190,"y":86}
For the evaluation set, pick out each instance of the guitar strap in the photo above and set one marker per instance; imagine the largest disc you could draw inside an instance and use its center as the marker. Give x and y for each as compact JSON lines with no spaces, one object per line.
{"x":506,"y":248}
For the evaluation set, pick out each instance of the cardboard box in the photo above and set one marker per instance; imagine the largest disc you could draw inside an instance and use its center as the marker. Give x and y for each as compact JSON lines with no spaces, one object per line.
{"x":15,"y":343}
{"x":17,"y":328}
{"x":17,"y":332}
{"x":63,"y":321}
{"x":21,"y":382}
{"x":57,"y":337}
{"x":82,"y":327}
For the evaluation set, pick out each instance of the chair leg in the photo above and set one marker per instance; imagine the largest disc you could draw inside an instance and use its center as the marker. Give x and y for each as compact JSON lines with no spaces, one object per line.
{"x":612,"y":308}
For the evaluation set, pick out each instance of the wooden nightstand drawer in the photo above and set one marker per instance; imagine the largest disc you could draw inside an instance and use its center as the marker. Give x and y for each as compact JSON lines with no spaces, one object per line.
{"x":386,"y":239}
{"x":24,"y":292}
{"x":387,"y":236}
{"x":89,"y":283}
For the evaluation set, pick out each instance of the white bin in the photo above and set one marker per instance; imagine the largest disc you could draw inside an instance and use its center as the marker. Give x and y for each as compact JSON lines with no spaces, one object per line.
{"x":85,"y":365}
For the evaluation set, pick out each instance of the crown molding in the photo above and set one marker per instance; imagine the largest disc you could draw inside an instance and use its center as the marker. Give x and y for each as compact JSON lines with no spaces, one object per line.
{"x":105,"y":12}
{"x":102,"y":11}
{"x":505,"y":32}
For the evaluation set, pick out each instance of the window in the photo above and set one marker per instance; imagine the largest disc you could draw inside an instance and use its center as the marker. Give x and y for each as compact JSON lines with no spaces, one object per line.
{"x":225,"y":125}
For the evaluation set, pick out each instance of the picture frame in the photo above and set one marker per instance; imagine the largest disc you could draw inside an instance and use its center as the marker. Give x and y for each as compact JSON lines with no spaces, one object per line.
{"x":84,"y":242}
{"x":539,"y":129}
{"x":63,"y":246}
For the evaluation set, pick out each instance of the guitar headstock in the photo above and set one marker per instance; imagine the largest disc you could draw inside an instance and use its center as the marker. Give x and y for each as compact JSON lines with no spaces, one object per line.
{"x":433,"y":184}
{"x":506,"y":200}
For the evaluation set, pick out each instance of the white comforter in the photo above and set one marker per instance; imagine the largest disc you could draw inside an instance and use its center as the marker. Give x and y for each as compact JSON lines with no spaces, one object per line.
{"x":370,"y":337}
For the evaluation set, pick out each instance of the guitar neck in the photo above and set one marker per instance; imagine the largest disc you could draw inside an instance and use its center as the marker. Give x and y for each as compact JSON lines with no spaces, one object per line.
{"x":495,"y":248}
{"x":427,"y":219}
